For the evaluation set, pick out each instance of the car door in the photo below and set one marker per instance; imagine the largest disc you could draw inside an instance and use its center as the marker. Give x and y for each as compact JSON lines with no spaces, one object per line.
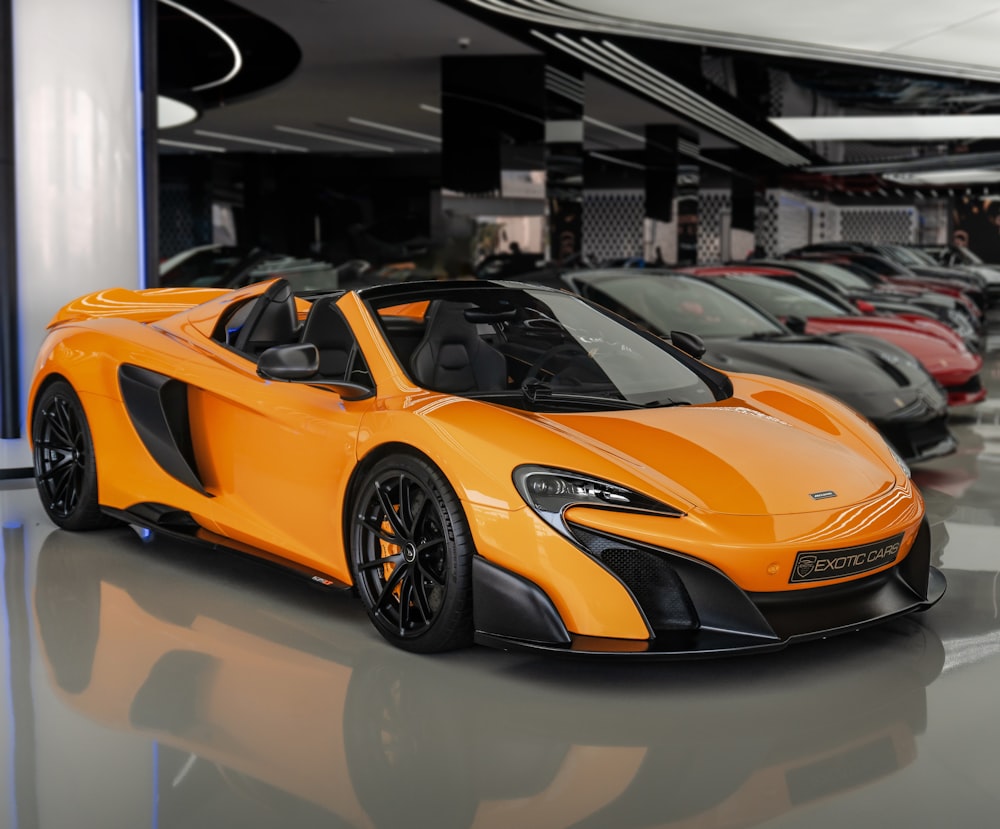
{"x":275,"y":458}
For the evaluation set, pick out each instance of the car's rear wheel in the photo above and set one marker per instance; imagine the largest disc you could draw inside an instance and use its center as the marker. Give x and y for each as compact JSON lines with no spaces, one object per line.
{"x":411,"y":555}
{"x":65,"y":467}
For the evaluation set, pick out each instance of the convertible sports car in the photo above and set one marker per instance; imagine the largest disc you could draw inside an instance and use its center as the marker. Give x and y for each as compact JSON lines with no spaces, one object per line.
{"x":480,"y":461}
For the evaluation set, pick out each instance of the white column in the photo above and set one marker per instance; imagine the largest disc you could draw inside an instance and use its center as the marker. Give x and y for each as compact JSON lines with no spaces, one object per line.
{"x":76,"y":69}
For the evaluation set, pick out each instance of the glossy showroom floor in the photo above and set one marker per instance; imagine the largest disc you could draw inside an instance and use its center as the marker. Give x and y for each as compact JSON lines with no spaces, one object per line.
{"x":166,"y":686}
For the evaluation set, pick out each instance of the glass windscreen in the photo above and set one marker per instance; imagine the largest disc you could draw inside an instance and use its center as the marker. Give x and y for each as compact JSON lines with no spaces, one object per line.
{"x":781,"y":298}
{"x":668,"y":303}
{"x":541,"y":349}
{"x":836,"y":275}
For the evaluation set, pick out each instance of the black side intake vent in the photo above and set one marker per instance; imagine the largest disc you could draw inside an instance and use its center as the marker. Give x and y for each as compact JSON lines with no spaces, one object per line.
{"x":655,"y":585}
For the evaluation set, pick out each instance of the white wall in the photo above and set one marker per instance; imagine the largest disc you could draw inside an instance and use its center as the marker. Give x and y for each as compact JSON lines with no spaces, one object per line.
{"x":77,"y":161}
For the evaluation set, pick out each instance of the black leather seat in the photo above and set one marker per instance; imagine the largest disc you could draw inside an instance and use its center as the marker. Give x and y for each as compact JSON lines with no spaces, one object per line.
{"x":452,"y":357}
{"x":326,"y":328}
{"x":273,"y":320}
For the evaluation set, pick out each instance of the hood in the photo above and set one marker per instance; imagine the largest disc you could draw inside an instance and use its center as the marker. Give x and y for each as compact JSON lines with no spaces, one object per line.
{"x":721,"y":457}
{"x":934,"y":352}
{"x":823,"y":363}
{"x":873,"y":377}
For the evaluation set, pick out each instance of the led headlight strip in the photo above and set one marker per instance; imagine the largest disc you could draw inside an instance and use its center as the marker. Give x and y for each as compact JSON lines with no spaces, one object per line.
{"x":550,"y":492}
{"x":632,"y":72}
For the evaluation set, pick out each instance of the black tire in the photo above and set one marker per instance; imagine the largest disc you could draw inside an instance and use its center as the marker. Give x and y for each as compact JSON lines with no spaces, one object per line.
{"x":411,"y":555}
{"x":65,"y":467}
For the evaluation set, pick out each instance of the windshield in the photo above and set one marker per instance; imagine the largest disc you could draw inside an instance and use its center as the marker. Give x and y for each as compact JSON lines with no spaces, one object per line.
{"x":543,"y":350}
{"x":836,"y":275}
{"x":780,"y":298}
{"x":915,"y":256}
{"x":668,"y":303}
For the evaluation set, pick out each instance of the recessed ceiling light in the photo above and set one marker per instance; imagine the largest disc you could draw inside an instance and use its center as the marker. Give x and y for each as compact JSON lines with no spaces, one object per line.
{"x":612,"y":128}
{"x":972,"y":176}
{"x":336,"y":139}
{"x":397,"y":130}
{"x":619,"y":161}
{"x":188,"y":145}
{"x":255,"y":141}
{"x":890,"y":127}
{"x":429,"y":108}
{"x":172,"y":113}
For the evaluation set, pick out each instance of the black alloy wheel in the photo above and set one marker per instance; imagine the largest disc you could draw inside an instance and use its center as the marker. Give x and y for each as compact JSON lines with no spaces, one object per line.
{"x":411,"y":556}
{"x":65,"y":467}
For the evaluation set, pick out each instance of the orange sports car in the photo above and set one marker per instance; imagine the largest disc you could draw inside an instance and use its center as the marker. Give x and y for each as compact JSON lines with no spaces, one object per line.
{"x":480,"y":461}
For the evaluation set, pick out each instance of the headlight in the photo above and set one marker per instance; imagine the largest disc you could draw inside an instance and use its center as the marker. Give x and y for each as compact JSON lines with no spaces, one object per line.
{"x":549,"y":492}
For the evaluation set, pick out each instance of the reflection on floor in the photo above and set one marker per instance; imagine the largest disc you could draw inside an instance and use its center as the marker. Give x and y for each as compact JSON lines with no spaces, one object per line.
{"x":165,"y":686}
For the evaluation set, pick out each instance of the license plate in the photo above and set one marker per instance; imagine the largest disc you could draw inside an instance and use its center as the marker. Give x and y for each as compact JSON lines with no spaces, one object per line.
{"x":823,"y":565}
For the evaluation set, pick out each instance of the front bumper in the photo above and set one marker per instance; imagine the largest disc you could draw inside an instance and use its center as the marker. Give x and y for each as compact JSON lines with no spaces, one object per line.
{"x":918,"y":440}
{"x":514,"y":614}
{"x":967,"y":393}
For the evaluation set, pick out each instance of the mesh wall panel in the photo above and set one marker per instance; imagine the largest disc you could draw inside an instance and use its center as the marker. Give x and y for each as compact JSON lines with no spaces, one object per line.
{"x":612,"y":223}
{"x":890,"y":225}
{"x":712,"y":204}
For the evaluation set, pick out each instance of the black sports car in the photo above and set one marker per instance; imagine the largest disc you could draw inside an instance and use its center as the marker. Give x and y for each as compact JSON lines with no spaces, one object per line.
{"x":881,"y":381}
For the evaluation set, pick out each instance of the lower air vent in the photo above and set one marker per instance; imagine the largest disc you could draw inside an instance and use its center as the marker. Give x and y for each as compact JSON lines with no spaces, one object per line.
{"x":648,"y":575}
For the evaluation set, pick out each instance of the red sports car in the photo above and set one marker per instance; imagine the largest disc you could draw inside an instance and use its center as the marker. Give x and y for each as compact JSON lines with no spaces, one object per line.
{"x":944,"y":356}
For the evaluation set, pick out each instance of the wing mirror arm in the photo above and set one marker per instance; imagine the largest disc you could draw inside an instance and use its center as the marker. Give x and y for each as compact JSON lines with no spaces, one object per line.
{"x":688,"y":343}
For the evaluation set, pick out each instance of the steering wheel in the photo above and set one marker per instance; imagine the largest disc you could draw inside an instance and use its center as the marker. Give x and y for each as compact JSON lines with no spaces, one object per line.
{"x":535,"y":369}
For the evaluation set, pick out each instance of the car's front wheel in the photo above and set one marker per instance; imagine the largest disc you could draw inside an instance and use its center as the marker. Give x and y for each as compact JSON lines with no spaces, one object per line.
{"x":411,"y":555}
{"x":65,"y":467}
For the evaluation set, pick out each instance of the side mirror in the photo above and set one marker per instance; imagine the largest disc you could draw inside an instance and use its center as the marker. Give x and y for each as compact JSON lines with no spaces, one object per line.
{"x":864,"y":306}
{"x":688,"y":343}
{"x":796,"y":325}
{"x":298,"y":361}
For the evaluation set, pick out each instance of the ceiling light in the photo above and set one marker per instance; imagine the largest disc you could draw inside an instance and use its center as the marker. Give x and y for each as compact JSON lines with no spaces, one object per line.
{"x":397,"y":130}
{"x":336,"y":139}
{"x":187,"y":145}
{"x":931,"y":177}
{"x":891,"y":127}
{"x":256,"y":141}
{"x":955,"y":161}
{"x":429,"y":108}
{"x":619,"y":161}
{"x":564,"y":84}
{"x":612,"y":128}
{"x":233,"y":48}
{"x":172,"y":113}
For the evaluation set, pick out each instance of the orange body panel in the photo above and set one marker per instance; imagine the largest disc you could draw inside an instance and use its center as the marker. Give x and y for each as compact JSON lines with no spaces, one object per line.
{"x":276,"y":459}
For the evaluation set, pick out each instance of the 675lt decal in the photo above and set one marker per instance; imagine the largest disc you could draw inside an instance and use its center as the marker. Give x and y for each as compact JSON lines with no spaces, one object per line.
{"x":822,"y":565}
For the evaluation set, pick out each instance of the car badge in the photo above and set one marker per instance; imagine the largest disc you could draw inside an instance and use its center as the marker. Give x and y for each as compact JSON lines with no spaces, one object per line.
{"x":805,"y":566}
{"x":819,"y":496}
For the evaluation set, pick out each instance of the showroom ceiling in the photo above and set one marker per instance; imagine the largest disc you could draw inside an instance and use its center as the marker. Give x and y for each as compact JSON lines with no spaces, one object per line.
{"x":830,"y":93}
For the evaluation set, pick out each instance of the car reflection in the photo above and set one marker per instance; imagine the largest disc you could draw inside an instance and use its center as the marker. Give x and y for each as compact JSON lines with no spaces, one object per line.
{"x":263,"y":699}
